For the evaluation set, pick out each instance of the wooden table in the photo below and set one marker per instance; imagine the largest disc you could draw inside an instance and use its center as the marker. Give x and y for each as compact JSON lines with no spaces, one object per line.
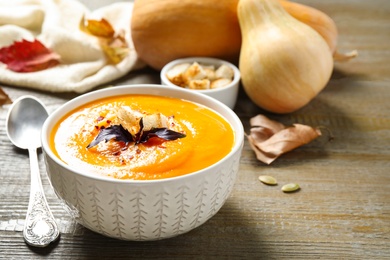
{"x":342,"y":210}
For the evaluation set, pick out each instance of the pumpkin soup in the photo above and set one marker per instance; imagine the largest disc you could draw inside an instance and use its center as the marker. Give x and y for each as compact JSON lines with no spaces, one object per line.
{"x":141,"y":137}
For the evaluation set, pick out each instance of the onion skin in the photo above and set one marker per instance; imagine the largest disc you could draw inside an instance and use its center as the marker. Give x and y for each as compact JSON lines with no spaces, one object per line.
{"x":321,"y":23}
{"x":316,"y":19}
{"x":284,"y":63}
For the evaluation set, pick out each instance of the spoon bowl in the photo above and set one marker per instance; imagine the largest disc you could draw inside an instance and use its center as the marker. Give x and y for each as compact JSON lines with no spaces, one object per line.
{"x":24,"y":122}
{"x":23,"y":125}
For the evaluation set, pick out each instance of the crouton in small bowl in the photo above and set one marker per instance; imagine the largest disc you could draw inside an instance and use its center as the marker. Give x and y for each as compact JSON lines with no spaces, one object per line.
{"x":216,"y":78}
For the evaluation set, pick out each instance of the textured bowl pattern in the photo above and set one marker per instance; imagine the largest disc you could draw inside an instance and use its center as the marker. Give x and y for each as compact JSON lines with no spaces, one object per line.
{"x":157,"y":210}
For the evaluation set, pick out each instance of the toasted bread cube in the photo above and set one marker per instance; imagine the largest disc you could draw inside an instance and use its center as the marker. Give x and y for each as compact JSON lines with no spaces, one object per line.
{"x":128,"y":118}
{"x":199,"y":84}
{"x":154,"y":121}
{"x":175,"y":74}
{"x":208,"y":67}
{"x":194,"y":72}
{"x":225,"y":72}
{"x":220,"y":83}
{"x":210,"y":73}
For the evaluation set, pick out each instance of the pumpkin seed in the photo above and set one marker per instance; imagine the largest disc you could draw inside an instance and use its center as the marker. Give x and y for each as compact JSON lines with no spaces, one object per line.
{"x":269,"y":180}
{"x":290,"y":187}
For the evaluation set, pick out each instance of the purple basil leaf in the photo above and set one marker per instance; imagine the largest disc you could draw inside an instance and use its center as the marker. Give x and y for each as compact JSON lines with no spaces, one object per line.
{"x":163,"y":133}
{"x":117,"y":132}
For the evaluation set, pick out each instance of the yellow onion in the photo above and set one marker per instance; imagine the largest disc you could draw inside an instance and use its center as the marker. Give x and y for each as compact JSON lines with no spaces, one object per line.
{"x":284,"y":63}
{"x":320,"y":22}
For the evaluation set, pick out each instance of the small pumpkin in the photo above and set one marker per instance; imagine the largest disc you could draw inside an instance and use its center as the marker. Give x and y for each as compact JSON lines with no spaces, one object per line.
{"x":164,"y":30}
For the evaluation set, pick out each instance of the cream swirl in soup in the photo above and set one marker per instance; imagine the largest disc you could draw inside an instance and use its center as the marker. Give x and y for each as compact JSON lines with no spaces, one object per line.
{"x":142,"y":137}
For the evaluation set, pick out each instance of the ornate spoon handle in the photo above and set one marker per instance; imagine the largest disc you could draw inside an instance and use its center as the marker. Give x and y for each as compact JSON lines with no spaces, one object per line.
{"x":40,"y":228}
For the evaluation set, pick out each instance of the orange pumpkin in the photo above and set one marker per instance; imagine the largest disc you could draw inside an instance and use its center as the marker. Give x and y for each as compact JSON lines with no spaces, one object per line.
{"x":164,"y":30}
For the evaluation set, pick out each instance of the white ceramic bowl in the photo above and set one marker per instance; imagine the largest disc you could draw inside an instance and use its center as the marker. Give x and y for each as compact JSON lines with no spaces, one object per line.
{"x":227,"y":94}
{"x":143,"y":210}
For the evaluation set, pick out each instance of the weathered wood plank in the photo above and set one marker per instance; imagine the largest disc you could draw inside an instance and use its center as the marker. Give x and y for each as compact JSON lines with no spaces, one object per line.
{"x":341,"y":212}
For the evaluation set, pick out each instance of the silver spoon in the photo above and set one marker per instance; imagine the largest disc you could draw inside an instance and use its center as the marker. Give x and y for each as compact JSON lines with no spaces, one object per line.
{"x":24,"y":122}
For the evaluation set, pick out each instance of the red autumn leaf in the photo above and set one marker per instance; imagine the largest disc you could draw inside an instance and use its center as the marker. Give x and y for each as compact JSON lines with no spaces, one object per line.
{"x":26,"y":56}
{"x":270,"y":139}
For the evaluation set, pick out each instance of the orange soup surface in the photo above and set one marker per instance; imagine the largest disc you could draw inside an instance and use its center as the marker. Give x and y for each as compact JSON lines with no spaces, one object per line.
{"x":203,"y":137}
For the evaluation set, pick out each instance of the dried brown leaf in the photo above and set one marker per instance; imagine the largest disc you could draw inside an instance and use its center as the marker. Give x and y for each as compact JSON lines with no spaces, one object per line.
{"x":4,"y":98}
{"x":270,"y":139}
{"x":115,"y":48}
{"x":263,"y":128}
{"x":113,"y":43}
{"x":101,"y":28}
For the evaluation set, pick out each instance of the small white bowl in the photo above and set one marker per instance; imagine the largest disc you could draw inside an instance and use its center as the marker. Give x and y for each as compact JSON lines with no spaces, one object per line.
{"x":143,"y":210}
{"x":227,"y":94}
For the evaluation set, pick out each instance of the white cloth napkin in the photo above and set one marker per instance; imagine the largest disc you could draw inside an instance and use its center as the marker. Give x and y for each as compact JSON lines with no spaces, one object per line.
{"x":56,"y":24}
